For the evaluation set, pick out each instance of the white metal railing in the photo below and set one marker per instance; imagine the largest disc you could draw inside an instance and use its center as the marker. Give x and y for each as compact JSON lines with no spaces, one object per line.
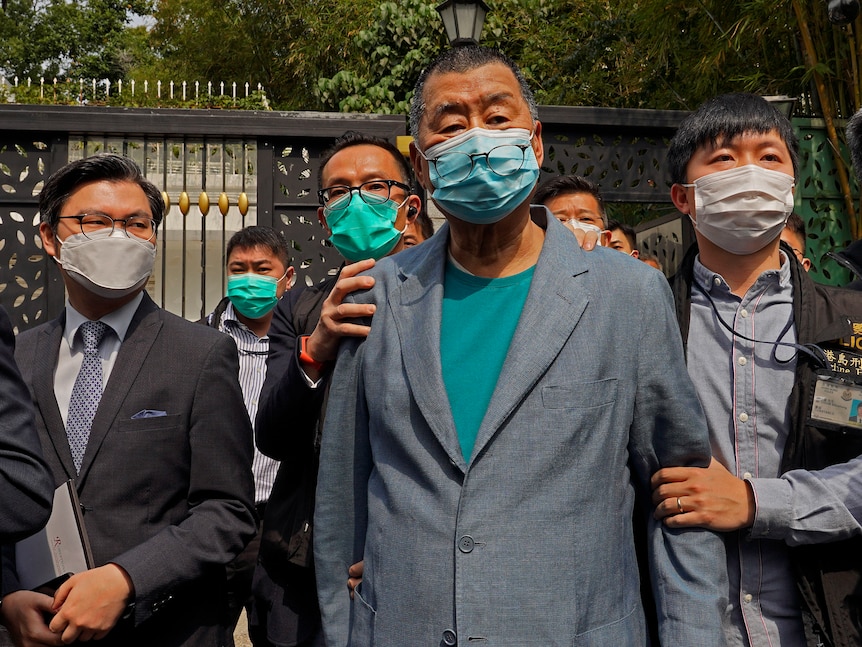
{"x":105,"y":88}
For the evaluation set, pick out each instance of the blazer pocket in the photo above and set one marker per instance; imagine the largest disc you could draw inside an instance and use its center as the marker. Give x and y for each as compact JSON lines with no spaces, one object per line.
{"x":580,"y":395}
{"x":158,"y":423}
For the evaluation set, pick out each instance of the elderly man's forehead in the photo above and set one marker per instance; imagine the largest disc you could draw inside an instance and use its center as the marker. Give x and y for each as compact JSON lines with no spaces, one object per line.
{"x":492,"y":83}
{"x":487,"y":100}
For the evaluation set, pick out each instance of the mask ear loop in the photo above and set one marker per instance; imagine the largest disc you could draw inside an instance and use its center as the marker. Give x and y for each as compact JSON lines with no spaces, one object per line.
{"x":403,"y":202}
{"x":814,"y":351}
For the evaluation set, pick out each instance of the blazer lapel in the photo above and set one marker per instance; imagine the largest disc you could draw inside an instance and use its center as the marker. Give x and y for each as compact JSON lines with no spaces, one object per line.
{"x":419,"y":335}
{"x":553,"y":308}
{"x":142,"y":333}
{"x":44,"y":365}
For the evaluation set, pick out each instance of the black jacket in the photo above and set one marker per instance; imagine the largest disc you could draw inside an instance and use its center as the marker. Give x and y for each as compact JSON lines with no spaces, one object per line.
{"x":287,"y":428}
{"x":829,"y":575}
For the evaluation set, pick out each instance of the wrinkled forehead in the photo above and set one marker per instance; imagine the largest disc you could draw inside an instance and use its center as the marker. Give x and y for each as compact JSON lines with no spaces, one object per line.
{"x":453,"y":90}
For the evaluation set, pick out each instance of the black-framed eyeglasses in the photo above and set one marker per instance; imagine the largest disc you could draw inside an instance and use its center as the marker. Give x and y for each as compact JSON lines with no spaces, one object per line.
{"x":504,"y":160}
{"x":372,"y":192}
{"x":100,"y":225}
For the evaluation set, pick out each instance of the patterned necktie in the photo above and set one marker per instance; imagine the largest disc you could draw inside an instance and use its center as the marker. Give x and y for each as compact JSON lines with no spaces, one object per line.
{"x":87,"y":391}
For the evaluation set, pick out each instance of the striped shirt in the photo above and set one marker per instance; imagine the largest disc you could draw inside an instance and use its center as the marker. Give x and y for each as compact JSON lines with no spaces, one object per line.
{"x":253,"y":351}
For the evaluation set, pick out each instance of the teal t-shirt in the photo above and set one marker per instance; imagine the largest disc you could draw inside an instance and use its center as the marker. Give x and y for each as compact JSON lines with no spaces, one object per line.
{"x":479,"y":320}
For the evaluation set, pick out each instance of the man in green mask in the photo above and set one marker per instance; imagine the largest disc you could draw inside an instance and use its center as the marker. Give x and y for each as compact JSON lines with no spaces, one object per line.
{"x":258,"y":274}
{"x":367,"y":202}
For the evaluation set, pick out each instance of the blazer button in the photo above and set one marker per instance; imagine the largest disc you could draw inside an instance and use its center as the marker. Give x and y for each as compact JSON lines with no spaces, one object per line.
{"x":450,"y":638}
{"x":466,"y":544}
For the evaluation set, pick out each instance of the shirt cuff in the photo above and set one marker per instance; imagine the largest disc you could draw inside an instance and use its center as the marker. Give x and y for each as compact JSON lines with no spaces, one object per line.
{"x":773,"y":508}
{"x":308,"y":381}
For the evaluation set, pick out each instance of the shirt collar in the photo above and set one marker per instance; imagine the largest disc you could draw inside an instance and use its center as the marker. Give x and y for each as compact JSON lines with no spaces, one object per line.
{"x":119,"y":320}
{"x":229,"y":315}
{"x":230,"y":320}
{"x":711,"y":281}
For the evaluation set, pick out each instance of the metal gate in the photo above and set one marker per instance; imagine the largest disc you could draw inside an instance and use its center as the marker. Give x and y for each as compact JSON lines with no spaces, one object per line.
{"x":220,"y":171}
{"x":224,"y":169}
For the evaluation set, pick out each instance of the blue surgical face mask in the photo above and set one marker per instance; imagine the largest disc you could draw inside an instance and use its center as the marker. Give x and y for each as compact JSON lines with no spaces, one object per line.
{"x":361,"y":230}
{"x":481,"y":176}
{"x":252,"y":295}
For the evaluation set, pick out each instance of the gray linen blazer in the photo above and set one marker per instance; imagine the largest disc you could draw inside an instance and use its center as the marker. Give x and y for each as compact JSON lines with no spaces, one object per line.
{"x":168,"y":498}
{"x":530,"y":544}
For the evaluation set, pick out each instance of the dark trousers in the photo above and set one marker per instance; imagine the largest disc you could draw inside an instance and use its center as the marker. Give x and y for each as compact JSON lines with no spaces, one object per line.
{"x":239,"y":574}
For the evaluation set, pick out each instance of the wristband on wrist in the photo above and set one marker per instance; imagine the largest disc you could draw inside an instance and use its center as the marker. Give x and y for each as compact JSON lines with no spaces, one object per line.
{"x":307,"y":360}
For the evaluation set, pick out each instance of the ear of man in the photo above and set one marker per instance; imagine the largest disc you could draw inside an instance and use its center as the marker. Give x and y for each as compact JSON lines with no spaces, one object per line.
{"x":679,"y":196}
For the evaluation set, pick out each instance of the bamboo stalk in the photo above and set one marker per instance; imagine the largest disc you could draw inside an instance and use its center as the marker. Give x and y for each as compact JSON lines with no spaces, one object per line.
{"x":827,"y":105}
{"x":855,"y":85}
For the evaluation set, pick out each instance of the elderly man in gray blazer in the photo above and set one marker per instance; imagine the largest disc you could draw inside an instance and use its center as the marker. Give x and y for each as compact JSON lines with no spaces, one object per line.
{"x":484,"y":444}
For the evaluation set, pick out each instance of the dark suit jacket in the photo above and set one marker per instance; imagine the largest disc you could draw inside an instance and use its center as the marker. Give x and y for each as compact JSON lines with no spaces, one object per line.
{"x":26,"y":487}
{"x":168,"y":498}
{"x":285,"y":391}
{"x":287,"y":428}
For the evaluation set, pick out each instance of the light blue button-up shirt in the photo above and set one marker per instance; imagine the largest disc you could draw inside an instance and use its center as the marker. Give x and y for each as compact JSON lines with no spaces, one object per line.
{"x":744,"y":388}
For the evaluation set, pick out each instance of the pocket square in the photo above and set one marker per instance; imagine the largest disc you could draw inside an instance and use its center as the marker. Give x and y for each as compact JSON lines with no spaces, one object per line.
{"x":149,"y":413}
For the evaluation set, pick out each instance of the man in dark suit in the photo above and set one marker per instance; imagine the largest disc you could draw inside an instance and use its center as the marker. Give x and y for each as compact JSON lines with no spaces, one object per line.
{"x":367,"y":203}
{"x":25,"y":483}
{"x":162,"y":460}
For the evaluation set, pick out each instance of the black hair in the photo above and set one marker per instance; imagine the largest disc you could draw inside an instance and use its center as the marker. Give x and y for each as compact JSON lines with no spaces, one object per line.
{"x":651,"y":257}
{"x":721,"y":119}
{"x":106,"y":167}
{"x":796,"y":224}
{"x":463,"y":59}
{"x":568,"y":184}
{"x":627,"y":230}
{"x":426,"y":226}
{"x":356,"y":138}
{"x":260,"y":236}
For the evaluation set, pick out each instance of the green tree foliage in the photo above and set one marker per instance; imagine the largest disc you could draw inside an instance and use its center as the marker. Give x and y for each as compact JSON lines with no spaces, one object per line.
{"x":55,"y":38}
{"x":573,"y":52}
{"x":284,"y":45}
{"x":645,"y":54}
{"x":386,"y":59}
{"x":694,"y":50}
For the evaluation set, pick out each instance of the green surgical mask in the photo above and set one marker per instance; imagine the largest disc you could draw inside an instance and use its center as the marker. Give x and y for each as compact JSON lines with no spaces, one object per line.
{"x":361,"y":230}
{"x":253,"y":295}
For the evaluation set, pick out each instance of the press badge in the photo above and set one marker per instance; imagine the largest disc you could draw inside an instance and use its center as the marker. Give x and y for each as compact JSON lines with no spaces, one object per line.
{"x":837,"y":402}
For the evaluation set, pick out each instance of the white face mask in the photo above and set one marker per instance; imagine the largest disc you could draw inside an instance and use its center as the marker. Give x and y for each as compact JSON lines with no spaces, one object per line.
{"x":743,"y":209}
{"x":574,"y":223}
{"x":111,"y":267}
